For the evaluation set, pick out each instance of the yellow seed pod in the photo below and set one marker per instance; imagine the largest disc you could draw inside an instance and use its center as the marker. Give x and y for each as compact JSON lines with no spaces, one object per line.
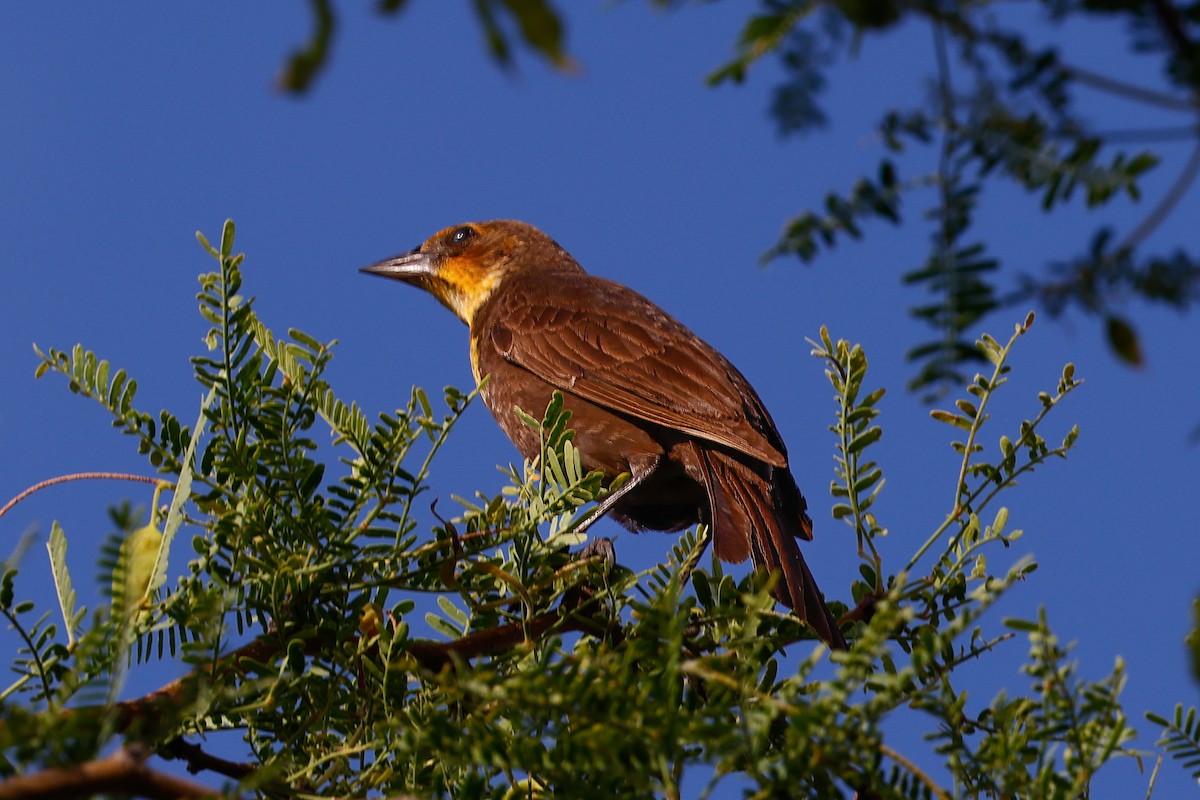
{"x":370,"y":621}
{"x":139,"y":554}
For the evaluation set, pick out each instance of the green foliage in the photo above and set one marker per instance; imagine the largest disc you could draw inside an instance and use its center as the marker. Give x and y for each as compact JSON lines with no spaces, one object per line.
{"x":763,"y":34}
{"x":537,"y":24}
{"x":857,"y":481}
{"x":804,"y":235}
{"x":63,"y":587}
{"x":1002,"y":110}
{"x":1092,"y":279}
{"x":355,"y":655}
{"x":1181,"y":737}
{"x":1084,"y":718}
{"x":1193,"y":640}
{"x":163,"y":442}
{"x":304,"y":64}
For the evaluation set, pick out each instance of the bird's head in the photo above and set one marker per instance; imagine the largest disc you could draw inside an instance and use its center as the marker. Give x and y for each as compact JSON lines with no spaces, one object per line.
{"x":462,"y":265}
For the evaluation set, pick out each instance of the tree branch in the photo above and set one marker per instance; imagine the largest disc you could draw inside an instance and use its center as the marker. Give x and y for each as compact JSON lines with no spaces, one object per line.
{"x":1173,"y":25}
{"x":123,"y":772}
{"x":570,"y":616}
{"x":1129,"y":91}
{"x":197,"y":760}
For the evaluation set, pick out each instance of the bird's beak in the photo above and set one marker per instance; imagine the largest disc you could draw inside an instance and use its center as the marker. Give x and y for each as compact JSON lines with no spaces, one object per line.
{"x":412,"y":267}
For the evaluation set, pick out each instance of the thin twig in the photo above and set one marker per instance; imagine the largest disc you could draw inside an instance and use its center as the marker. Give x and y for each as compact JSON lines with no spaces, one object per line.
{"x":937,"y":791}
{"x":1173,"y":24}
{"x":1176,"y":133}
{"x":77,"y":476}
{"x":1127,"y":90}
{"x":1165,"y":206}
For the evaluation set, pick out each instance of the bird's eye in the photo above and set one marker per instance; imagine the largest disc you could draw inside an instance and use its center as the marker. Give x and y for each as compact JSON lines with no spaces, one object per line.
{"x":463,"y":234}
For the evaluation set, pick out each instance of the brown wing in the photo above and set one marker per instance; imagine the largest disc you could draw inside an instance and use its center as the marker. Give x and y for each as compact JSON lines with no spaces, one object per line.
{"x":613,"y":347}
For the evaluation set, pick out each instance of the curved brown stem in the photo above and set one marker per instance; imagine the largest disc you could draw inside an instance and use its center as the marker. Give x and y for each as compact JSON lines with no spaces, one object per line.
{"x":77,"y":476}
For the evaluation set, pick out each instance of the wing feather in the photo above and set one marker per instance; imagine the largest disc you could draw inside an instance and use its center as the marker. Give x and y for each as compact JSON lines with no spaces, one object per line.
{"x":611,"y":346}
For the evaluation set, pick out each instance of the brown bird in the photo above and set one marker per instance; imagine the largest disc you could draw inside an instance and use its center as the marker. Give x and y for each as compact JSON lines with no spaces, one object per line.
{"x":648,"y":396}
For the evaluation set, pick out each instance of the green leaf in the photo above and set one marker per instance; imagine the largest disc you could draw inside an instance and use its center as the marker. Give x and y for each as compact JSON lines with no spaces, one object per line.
{"x":57,"y":547}
{"x":439,"y":624}
{"x":1022,"y":625}
{"x":296,"y":658}
{"x":6,"y":587}
{"x":1001,"y":521}
{"x":1193,"y":640}
{"x":702,"y":588}
{"x":212,"y":251}
{"x":951,"y":418}
{"x":870,"y":436}
{"x":541,"y":28}
{"x":227,"y":238}
{"x":452,"y":611}
{"x":1124,"y":340}
{"x":867,"y":480}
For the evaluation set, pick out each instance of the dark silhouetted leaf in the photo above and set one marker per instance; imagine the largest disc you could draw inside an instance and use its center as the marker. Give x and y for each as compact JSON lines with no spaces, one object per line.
{"x":1124,"y":340}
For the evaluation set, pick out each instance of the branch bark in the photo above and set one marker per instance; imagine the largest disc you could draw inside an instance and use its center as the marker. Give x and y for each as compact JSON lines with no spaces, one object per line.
{"x":125,"y":771}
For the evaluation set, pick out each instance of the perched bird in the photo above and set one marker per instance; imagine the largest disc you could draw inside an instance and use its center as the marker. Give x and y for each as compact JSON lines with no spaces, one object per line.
{"x":648,"y":396}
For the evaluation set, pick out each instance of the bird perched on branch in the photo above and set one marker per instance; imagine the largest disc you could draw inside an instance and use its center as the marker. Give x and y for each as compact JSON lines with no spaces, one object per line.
{"x":648,"y":397}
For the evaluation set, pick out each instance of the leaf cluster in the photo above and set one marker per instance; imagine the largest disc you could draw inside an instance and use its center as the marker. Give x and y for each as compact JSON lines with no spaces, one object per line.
{"x":533,"y":23}
{"x":1001,"y":109}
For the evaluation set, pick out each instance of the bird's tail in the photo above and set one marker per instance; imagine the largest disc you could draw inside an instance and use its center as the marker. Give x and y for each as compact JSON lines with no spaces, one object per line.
{"x":761,"y":517}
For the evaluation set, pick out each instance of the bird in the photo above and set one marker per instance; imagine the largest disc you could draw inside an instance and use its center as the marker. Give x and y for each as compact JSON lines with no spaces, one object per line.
{"x":649,"y":398}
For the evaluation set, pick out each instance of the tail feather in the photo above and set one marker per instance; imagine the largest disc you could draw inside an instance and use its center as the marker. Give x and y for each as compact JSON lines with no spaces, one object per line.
{"x":751,"y":516}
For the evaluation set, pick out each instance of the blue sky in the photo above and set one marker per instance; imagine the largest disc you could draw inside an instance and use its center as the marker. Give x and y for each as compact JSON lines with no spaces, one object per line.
{"x":124,"y":133}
